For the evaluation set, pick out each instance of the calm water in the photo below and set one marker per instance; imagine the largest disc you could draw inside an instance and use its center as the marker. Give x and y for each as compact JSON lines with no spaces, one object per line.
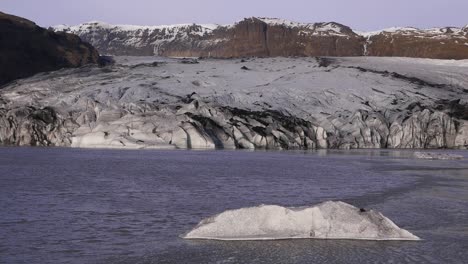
{"x":107,"y":206}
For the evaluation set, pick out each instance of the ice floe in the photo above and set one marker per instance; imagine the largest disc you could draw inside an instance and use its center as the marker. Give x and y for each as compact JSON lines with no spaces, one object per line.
{"x":328,"y":220}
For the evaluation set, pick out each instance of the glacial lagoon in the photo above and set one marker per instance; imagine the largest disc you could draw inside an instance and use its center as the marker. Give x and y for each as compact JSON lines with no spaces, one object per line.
{"x":63,"y":205}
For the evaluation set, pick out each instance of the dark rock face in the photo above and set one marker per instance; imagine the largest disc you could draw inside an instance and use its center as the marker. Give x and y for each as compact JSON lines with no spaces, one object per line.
{"x":26,"y":49}
{"x":255,"y":37}
{"x":264,"y":37}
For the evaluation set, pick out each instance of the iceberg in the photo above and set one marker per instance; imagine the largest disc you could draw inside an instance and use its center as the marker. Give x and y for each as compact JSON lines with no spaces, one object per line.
{"x":436,"y":156}
{"x":328,"y":220}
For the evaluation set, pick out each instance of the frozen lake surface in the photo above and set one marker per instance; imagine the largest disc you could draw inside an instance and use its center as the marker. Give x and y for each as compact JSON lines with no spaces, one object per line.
{"x":113,"y":206}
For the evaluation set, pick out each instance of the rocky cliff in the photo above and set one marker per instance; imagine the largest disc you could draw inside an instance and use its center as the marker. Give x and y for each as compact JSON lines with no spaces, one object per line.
{"x":437,"y":43}
{"x":265,"y":37}
{"x":270,"y":103}
{"x":26,"y":49}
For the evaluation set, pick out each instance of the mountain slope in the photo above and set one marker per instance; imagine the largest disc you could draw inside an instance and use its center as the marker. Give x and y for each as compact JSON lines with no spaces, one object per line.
{"x":446,"y":43}
{"x":26,"y":49}
{"x":267,"y":37}
{"x":250,"y":37}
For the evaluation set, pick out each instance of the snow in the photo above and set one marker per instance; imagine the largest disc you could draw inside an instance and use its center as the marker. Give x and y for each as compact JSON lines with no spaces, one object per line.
{"x":173,"y":30}
{"x":205,"y":27}
{"x":282,"y":22}
{"x":137,"y":36}
{"x":329,"y":27}
{"x":314,"y":29}
{"x":123,"y":27}
{"x":61,"y":27}
{"x":387,"y":30}
{"x":329,"y":220}
{"x":443,"y":32}
{"x":167,"y":33}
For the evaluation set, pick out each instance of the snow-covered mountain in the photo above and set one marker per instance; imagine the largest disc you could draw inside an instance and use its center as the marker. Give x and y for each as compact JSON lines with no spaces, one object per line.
{"x":250,"y":37}
{"x":446,"y":42}
{"x":264,"y":37}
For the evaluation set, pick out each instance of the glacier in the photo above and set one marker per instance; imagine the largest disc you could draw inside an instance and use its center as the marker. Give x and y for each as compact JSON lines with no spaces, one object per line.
{"x":280,"y":103}
{"x":328,"y":220}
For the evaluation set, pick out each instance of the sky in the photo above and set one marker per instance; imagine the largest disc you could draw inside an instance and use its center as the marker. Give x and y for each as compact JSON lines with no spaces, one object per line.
{"x":364,"y":15}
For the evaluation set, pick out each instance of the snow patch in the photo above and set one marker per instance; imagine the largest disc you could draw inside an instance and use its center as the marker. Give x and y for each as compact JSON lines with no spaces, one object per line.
{"x":104,"y":25}
{"x":387,"y":30}
{"x":137,"y":36}
{"x":329,"y":28}
{"x":329,"y":220}
{"x":444,"y":32}
{"x":281,"y":22}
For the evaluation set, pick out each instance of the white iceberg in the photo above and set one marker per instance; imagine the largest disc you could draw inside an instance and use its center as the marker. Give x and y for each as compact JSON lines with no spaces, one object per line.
{"x":329,"y":220}
{"x":438,"y":156}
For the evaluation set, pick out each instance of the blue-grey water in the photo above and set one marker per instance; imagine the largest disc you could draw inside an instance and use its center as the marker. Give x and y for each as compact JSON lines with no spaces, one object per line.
{"x":111,"y":206}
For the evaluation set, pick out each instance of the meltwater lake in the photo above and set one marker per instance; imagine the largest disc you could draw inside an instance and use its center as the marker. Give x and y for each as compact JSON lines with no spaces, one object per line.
{"x":63,"y":205}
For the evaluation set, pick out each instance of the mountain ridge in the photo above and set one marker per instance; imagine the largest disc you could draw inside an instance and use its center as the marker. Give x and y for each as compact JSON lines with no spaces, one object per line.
{"x":253,"y":36}
{"x":269,"y":20}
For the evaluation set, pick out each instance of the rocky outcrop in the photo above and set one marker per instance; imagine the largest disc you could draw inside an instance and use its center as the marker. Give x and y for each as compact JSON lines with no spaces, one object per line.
{"x":279,"y":103}
{"x":266,"y":37}
{"x":26,"y":49}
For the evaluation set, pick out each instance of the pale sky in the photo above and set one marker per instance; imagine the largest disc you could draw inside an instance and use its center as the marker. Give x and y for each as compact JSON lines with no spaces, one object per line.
{"x":359,"y":14}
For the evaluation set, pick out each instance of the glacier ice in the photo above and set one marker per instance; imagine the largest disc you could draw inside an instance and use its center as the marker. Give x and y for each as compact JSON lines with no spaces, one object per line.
{"x":282,"y":103}
{"x":328,"y":220}
{"x":437,"y":156}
